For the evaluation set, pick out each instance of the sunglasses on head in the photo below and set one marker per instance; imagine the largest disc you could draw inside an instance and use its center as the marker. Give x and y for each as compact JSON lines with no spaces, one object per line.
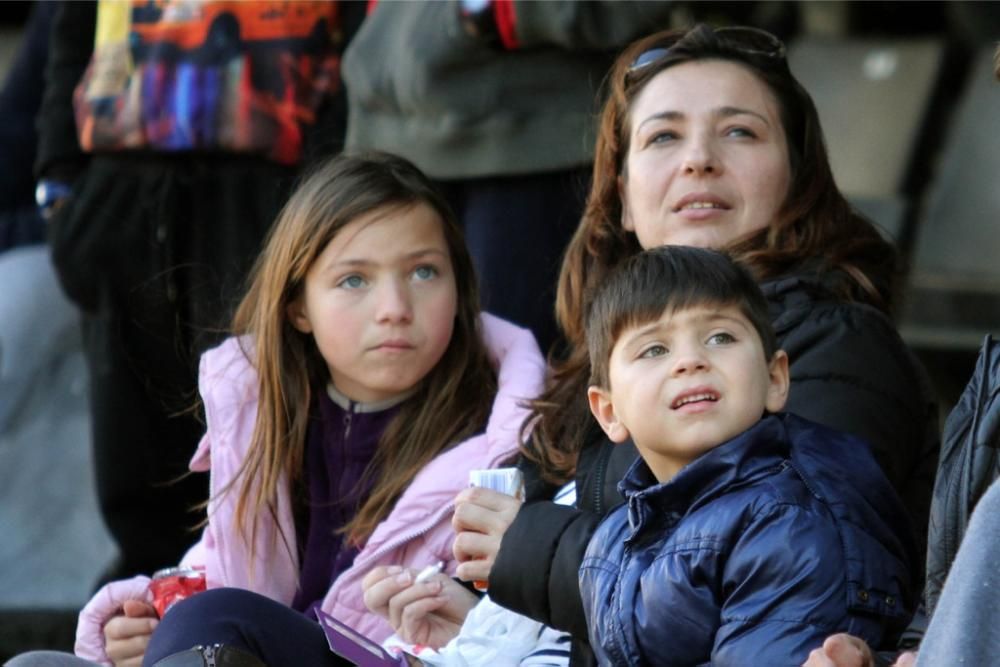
{"x":739,"y":39}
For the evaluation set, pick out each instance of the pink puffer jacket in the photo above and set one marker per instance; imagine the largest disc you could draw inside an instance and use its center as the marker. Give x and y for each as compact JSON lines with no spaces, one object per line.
{"x":416,"y":533}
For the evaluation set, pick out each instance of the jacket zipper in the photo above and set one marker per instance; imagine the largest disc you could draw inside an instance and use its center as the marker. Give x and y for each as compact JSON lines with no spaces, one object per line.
{"x":407,"y":537}
{"x":601,"y":468}
{"x":348,"y":418}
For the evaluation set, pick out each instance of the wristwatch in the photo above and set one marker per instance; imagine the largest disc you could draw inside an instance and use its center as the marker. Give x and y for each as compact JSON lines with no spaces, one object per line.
{"x":478,"y":20}
{"x":49,"y":195}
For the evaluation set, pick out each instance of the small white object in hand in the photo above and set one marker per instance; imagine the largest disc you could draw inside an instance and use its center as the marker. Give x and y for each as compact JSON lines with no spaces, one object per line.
{"x":428,"y":572}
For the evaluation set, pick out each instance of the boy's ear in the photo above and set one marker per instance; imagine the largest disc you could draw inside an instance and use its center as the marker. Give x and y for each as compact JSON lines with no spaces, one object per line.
{"x":627,"y":223}
{"x":777,"y":391}
{"x":604,"y":412}
{"x":296,"y":312}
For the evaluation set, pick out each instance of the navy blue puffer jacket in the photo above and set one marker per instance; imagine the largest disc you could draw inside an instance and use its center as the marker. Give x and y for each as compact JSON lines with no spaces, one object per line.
{"x":752,"y":555}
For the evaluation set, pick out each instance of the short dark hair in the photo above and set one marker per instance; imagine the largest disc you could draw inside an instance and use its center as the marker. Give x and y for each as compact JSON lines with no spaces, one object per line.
{"x":669,"y":279}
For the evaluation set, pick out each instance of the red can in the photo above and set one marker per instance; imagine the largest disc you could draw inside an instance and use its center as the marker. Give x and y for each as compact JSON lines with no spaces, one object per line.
{"x":173,"y":584}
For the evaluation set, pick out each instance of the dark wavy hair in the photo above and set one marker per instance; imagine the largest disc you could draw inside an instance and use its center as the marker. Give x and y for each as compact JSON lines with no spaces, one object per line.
{"x":815,"y":226}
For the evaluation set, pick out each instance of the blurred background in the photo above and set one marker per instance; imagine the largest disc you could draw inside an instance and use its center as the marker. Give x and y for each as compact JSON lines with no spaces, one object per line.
{"x":911,"y":114}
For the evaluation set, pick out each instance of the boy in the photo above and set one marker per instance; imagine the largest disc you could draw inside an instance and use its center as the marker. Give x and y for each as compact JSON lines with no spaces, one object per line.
{"x":748,"y":536}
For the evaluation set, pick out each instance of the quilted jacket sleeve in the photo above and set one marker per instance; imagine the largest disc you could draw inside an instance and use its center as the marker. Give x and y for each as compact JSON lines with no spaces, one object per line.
{"x":783,"y":606}
{"x":106,"y":604}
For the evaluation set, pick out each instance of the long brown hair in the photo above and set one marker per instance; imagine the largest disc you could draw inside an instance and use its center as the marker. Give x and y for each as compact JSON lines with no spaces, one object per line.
{"x":815,"y":226}
{"x":452,"y":402}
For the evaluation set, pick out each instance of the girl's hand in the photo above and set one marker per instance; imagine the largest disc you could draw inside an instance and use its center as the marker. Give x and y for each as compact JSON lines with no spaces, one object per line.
{"x":127,"y":635}
{"x":481,"y":518}
{"x":429,"y":613}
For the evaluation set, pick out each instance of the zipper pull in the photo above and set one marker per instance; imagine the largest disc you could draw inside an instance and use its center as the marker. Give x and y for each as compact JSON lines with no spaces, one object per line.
{"x":347,"y":420}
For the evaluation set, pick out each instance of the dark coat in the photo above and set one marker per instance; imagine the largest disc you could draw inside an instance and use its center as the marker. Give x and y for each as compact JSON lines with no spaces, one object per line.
{"x":970,"y":463}
{"x":753,"y":554}
{"x":849,"y":370}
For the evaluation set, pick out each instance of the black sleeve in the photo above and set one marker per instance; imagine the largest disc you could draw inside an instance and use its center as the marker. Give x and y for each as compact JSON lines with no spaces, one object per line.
{"x":851,"y":371}
{"x":20,"y":98}
{"x":536,"y":571}
{"x":71,"y":44}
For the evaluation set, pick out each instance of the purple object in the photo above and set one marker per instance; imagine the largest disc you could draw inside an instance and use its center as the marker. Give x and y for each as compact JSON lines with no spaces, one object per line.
{"x":352,"y":645}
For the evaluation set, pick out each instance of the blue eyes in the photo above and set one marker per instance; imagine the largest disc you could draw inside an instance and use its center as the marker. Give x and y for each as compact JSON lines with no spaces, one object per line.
{"x":720,"y":339}
{"x":352,"y":282}
{"x":653,"y":351}
{"x":741,"y":132}
{"x":659,"y":350}
{"x":425,"y":272}
{"x":662,"y":137}
{"x":668,"y":136}
{"x":422,"y":273}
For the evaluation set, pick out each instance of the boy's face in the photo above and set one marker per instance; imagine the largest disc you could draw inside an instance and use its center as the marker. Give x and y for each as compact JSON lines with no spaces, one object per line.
{"x":686,"y":383}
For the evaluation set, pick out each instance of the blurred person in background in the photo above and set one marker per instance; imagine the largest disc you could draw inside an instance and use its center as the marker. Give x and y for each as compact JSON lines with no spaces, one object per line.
{"x":495,"y":100}
{"x":169,"y":134}
{"x":31,"y":294}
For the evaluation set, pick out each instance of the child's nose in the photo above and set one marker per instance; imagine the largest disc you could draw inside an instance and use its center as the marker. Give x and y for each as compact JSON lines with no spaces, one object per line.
{"x":689,"y":360}
{"x":394,"y":303}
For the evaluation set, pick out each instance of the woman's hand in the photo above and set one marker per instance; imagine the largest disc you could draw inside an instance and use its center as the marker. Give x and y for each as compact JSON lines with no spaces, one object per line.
{"x":481,"y":518}
{"x":429,"y":613}
{"x":127,"y":635}
{"x":841,"y":650}
{"x":844,"y":650}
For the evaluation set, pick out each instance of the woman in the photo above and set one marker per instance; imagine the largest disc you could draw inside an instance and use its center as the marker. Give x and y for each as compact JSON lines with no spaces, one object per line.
{"x":707,"y":139}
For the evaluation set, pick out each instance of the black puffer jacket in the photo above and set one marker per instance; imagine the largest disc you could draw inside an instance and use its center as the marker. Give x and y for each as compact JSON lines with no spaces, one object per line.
{"x":849,"y":369}
{"x":970,"y":462}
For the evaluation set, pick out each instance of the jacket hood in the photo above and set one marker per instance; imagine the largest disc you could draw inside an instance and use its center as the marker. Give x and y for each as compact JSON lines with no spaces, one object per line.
{"x":792,"y":297}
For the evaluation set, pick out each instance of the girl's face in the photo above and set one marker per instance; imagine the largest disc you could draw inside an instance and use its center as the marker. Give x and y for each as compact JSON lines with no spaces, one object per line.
{"x":380,"y":301}
{"x":708,"y":158}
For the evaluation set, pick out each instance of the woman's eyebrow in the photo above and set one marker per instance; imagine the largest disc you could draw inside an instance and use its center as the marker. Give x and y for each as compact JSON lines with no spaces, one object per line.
{"x":726,"y":112}
{"x":722,"y":112}
{"x":661,"y":115}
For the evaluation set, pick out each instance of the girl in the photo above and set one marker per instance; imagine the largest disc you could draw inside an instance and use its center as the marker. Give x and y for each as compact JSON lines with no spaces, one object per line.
{"x":362,"y":386}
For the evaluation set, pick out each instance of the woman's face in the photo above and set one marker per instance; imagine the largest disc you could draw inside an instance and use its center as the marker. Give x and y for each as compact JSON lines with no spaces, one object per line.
{"x":707,"y":160}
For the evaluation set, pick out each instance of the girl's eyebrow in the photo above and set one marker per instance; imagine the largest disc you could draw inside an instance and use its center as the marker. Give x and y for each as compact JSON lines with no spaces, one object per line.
{"x":426,"y":251}
{"x":362,"y":262}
